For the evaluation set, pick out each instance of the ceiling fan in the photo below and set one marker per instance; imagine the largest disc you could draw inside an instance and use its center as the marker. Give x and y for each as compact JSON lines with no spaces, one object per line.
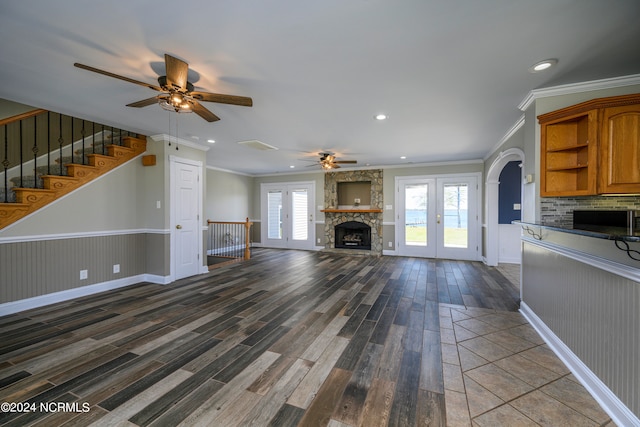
{"x":328,"y":161}
{"x":176,"y":93}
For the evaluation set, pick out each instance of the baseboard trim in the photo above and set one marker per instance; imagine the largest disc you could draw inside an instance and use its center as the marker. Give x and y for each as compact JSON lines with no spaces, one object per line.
{"x":617,"y":410}
{"x":56,"y":297}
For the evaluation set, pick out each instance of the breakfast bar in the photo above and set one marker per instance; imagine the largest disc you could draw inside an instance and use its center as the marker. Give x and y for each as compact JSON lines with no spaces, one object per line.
{"x":581,"y":290}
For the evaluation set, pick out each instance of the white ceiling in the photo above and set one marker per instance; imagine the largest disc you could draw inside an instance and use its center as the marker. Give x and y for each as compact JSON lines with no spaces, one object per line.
{"x":449,"y":73}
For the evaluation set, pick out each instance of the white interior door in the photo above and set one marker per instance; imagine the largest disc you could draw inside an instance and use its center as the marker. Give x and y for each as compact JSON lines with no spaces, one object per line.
{"x":287,"y":212}
{"x":437,"y":217}
{"x":186,"y":199}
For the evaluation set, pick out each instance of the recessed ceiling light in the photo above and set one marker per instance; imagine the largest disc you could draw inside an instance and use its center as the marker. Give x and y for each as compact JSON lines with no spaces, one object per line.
{"x":381,"y":116}
{"x":212,"y":141}
{"x":403,"y":157}
{"x":542,"y":65}
{"x":292,"y":166}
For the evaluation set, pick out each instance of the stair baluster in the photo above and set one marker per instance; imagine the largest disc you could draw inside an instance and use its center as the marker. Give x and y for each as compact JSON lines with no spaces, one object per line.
{"x":6,"y":165}
{"x":60,"y":142}
{"x":21,"y":161}
{"x":35,"y":150}
{"x":48,"y":142}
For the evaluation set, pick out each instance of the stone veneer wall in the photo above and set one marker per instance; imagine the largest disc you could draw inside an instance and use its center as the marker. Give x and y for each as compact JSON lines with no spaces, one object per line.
{"x":374,"y":220}
{"x":557,"y":211}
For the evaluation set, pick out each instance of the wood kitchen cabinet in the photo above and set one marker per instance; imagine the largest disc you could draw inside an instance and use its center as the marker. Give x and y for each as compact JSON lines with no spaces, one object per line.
{"x":569,"y":156}
{"x":620,"y":150}
{"x":591,"y":148}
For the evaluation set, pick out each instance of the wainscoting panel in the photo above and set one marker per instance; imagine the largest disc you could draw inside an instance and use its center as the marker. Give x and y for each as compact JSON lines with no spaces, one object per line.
{"x":592,"y":311}
{"x":35,"y":268}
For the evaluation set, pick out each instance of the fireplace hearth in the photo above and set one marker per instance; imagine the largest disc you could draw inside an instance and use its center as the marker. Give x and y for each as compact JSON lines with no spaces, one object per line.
{"x":353,"y":235}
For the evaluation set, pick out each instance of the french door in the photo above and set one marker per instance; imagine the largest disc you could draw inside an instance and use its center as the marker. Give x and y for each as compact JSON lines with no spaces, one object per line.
{"x":437,"y":217}
{"x":287,"y":215}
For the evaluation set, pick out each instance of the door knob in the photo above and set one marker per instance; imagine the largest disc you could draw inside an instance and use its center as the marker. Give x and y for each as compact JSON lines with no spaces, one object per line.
{"x":179,"y":227}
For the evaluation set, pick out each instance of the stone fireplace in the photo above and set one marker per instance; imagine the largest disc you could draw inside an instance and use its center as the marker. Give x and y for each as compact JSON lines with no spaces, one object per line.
{"x":353,"y":201}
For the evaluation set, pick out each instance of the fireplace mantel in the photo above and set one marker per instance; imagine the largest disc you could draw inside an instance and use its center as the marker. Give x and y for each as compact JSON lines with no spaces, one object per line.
{"x":351,"y":210}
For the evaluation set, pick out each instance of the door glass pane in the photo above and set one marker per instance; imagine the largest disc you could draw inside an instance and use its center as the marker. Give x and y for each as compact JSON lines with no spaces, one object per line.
{"x":300,"y":213}
{"x":274,"y":214}
{"x":415,"y":214}
{"x":456,"y":227}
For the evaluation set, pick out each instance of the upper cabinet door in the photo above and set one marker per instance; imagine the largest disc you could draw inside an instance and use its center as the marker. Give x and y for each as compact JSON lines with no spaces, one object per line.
{"x":620,"y":150}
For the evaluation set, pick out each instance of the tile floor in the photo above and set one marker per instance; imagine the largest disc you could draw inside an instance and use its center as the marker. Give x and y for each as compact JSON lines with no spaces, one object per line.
{"x":499,"y":372}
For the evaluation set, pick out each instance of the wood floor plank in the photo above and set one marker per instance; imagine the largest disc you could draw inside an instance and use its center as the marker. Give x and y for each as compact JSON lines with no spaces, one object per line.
{"x":377,"y":406}
{"x":287,"y":416}
{"x":266,"y":408}
{"x":405,"y":399}
{"x":351,"y":405}
{"x":431,"y":377}
{"x":312,"y":382}
{"x":321,"y":408}
{"x":206,"y":413}
{"x":431,"y":409}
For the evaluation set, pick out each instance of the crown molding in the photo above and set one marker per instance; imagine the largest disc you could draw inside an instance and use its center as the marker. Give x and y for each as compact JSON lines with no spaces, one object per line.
{"x":571,"y":88}
{"x":172,"y":139}
{"x":516,"y":126}
{"x":215,"y":168}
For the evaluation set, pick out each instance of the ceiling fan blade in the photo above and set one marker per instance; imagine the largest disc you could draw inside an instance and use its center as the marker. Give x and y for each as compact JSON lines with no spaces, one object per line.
{"x":144,"y":102}
{"x":116,"y":76}
{"x":346,"y":161}
{"x":222,"y":99}
{"x":177,"y":71}
{"x":203,"y":112}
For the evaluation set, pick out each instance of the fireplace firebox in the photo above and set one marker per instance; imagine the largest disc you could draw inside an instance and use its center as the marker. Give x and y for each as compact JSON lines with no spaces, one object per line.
{"x":353,"y":235}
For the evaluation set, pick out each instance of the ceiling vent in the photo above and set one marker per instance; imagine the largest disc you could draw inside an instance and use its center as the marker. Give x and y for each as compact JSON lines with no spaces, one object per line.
{"x":257,"y":145}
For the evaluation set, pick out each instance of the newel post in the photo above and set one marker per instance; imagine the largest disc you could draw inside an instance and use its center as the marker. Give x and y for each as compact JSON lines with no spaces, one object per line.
{"x":247,"y":227}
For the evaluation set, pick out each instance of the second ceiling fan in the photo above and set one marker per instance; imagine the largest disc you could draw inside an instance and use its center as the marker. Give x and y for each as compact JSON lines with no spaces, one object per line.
{"x":329,"y":161}
{"x":176,"y":93}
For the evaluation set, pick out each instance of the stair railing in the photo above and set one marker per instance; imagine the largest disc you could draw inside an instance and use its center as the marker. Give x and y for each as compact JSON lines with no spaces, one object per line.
{"x":64,"y":139}
{"x":229,"y":239}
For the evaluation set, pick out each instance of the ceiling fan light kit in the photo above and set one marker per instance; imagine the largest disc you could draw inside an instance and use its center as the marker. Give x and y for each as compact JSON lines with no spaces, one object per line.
{"x":177,"y":94}
{"x":328,"y":161}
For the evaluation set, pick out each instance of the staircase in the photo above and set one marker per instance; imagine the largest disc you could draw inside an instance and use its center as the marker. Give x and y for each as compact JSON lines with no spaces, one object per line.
{"x":28,"y":193}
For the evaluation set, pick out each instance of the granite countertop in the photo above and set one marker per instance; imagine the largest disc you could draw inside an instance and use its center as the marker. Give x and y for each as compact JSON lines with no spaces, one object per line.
{"x":599,"y":232}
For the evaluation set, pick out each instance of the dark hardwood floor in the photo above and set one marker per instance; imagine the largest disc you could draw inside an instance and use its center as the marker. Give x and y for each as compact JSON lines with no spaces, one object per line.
{"x":288,"y":338}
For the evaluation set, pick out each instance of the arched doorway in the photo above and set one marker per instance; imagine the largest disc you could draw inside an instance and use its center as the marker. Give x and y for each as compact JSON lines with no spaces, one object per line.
{"x":492,"y":236}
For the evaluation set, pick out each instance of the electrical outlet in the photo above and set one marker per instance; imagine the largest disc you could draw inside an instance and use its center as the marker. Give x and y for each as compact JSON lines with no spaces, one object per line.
{"x":390,"y":244}
{"x":84,"y":274}
{"x":116,"y":268}
{"x":319,"y":240}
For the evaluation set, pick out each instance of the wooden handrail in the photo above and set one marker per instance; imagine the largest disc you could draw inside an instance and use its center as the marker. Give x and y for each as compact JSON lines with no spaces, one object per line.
{"x":22,"y":116}
{"x":247,"y":240}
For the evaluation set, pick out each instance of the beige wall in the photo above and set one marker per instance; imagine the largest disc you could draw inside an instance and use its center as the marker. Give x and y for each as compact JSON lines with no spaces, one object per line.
{"x":229,"y":196}
{"x":10,"y":108}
